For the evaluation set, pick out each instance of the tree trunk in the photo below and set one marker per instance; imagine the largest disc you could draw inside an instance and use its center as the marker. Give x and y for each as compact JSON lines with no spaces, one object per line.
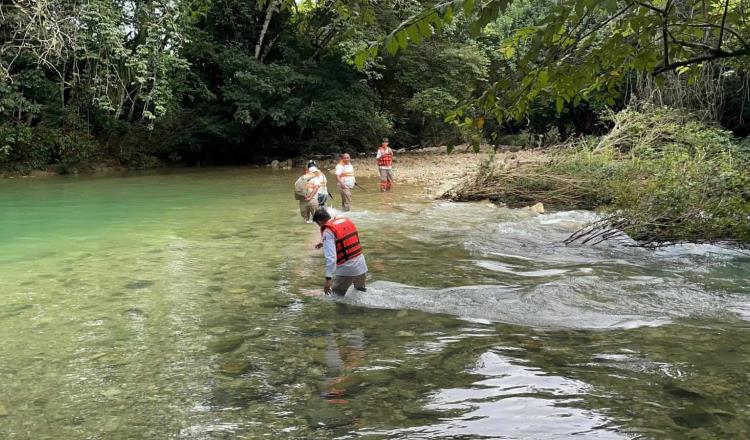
{"x":269,"y":14}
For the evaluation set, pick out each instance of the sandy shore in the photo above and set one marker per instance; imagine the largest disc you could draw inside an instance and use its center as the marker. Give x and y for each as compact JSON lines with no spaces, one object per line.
{"x":434,"y":169}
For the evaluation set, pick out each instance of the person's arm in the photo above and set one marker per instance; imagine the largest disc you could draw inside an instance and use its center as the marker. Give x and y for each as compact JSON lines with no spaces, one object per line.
{"x":313,"y":192}
{"x":380,"y":154}
{"x":329,"y":252}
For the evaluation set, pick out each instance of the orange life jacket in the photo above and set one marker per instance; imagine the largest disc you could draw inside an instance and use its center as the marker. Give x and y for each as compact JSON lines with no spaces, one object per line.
{"x":386,"y":157}
{"x":347,"y":239}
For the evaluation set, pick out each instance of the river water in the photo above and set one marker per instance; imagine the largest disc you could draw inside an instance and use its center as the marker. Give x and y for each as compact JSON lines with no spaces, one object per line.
{"x":184,"y":305}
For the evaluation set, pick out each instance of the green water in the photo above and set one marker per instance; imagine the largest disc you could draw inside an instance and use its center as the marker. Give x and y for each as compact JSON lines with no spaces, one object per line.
{"x":181,"y":305}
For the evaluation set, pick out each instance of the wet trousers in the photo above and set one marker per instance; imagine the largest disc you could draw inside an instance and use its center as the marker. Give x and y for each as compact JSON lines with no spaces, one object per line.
{"x":307,"y":208}
{"x":346,"y":197}
{"x":386,"y":179}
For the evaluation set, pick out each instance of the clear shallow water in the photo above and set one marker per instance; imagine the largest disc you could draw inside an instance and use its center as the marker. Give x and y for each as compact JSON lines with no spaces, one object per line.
{"x":177,"y":305}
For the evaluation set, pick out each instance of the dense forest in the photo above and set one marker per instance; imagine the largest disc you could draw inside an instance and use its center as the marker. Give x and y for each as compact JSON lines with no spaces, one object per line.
{"x":140,"y":83}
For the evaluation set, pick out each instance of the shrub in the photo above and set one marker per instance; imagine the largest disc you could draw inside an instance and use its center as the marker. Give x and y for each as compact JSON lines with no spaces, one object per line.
{"x":660,"y":175}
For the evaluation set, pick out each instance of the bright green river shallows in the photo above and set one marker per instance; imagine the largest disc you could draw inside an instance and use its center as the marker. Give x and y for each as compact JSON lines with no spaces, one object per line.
{"x":178,"y":306}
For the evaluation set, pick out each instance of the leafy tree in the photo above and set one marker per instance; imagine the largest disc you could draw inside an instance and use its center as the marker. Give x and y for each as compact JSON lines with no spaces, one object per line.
{"x":581,"y":50}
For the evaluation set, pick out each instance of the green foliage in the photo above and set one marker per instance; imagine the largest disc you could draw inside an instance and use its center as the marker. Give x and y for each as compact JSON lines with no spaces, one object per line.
{"x":231,"y":81}
{"x":582,"y":50}
{"x":661,"y":175}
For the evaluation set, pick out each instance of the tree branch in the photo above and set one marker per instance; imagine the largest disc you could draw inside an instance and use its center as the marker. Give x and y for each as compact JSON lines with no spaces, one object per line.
{"x":652,"y":7}
{"x":723,"y":21}
{"x":665,"y":31}
{"x":734,"y":33}
{"x":715,"y":56}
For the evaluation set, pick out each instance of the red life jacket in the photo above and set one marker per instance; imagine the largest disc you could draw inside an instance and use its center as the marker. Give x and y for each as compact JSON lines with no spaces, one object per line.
{"x":347,"y":239}
{"x":386,"y":157}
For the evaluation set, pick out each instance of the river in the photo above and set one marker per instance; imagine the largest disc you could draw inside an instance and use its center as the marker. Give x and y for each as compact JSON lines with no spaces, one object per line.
{"x":183,"y":305}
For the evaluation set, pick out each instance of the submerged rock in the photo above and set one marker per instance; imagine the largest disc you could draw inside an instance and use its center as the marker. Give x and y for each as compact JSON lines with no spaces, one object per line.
{"x":235,"y":367}
{"x":134,"y":313}
{"x":111,"y":392}
{"x":226,"y":345}
{"x":255,"y":333}
{"x":111,"y":424}
{"x":139,"y":284}
{"x":327,"y":417}
{"x":13,"y":309}
{"x":239,"y":393}
{"x":217,"y":331}
{"x":3,"y":410}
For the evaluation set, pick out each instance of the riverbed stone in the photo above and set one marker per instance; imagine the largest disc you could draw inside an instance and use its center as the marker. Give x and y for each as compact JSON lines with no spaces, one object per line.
{"x":255,"y":333}
{"x":274,"y":164}
{"x":239,"y":393}
{"x":235,"y":367}
{"x":537,"y":208}
{"x":283,"y":377}
{"x":226,"y":345}
{"x":217,"y":331}
{"x":277,"y":302}
{"x":319,"y":342}
{"x":111,"y":424}
{"x":139,"y":284}
{"x":111,"y":392}
{"x":330,"y":416}
{"x":13,"y":309}
{"x":134,"y":313}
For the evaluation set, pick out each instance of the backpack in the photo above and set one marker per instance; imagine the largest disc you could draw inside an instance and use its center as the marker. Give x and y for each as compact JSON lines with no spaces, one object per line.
{"x":300,"y":187}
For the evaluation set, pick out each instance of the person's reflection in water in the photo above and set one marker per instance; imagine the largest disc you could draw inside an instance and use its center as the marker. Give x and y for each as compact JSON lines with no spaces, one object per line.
{"x":342,"y":360}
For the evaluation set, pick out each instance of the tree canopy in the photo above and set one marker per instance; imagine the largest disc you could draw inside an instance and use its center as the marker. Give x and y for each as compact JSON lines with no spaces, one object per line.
{"x":234,"y":81}
{"x":582,"y":50}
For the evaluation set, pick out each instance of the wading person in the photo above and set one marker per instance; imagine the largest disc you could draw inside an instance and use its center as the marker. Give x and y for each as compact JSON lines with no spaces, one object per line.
{"x":322,"y":195}
{"x":306,"y":190}
{"x":345,"y":262}
{"x":385,"y":165}
{"x":345,"y":181}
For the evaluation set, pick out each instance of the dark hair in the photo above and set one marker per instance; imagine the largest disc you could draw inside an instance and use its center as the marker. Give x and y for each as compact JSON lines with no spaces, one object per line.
{"x":311,"y":164}
{"x":321,"y":215}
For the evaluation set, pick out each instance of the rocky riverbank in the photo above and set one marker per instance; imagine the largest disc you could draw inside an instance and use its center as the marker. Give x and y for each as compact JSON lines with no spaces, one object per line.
{"x":434,"y":169}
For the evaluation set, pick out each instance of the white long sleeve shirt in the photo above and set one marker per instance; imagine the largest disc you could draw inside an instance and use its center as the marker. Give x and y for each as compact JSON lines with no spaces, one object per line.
{"x":355,"y":266}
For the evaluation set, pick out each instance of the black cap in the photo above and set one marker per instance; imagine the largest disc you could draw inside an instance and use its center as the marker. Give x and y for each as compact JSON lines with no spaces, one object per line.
{"x":321,"y":215}
{"x":311,"y":164}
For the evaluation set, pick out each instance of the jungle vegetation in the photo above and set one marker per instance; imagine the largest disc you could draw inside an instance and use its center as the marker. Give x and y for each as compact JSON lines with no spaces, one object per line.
{"x":644,"y":102}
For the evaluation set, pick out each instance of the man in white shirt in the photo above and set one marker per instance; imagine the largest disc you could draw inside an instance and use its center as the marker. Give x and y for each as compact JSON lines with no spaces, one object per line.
{"x":345,"y":181}
{"x":345,"y":261}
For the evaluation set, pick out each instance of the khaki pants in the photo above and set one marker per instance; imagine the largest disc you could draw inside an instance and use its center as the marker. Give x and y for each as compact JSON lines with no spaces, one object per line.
{"x":346,"y":197}
{"x":386,"y":179}
{"x":307,"y":208}
{"x":341,"y":283}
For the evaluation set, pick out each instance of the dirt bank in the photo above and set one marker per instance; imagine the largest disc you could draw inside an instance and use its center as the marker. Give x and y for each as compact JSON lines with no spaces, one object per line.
{"x":434,"y":169}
